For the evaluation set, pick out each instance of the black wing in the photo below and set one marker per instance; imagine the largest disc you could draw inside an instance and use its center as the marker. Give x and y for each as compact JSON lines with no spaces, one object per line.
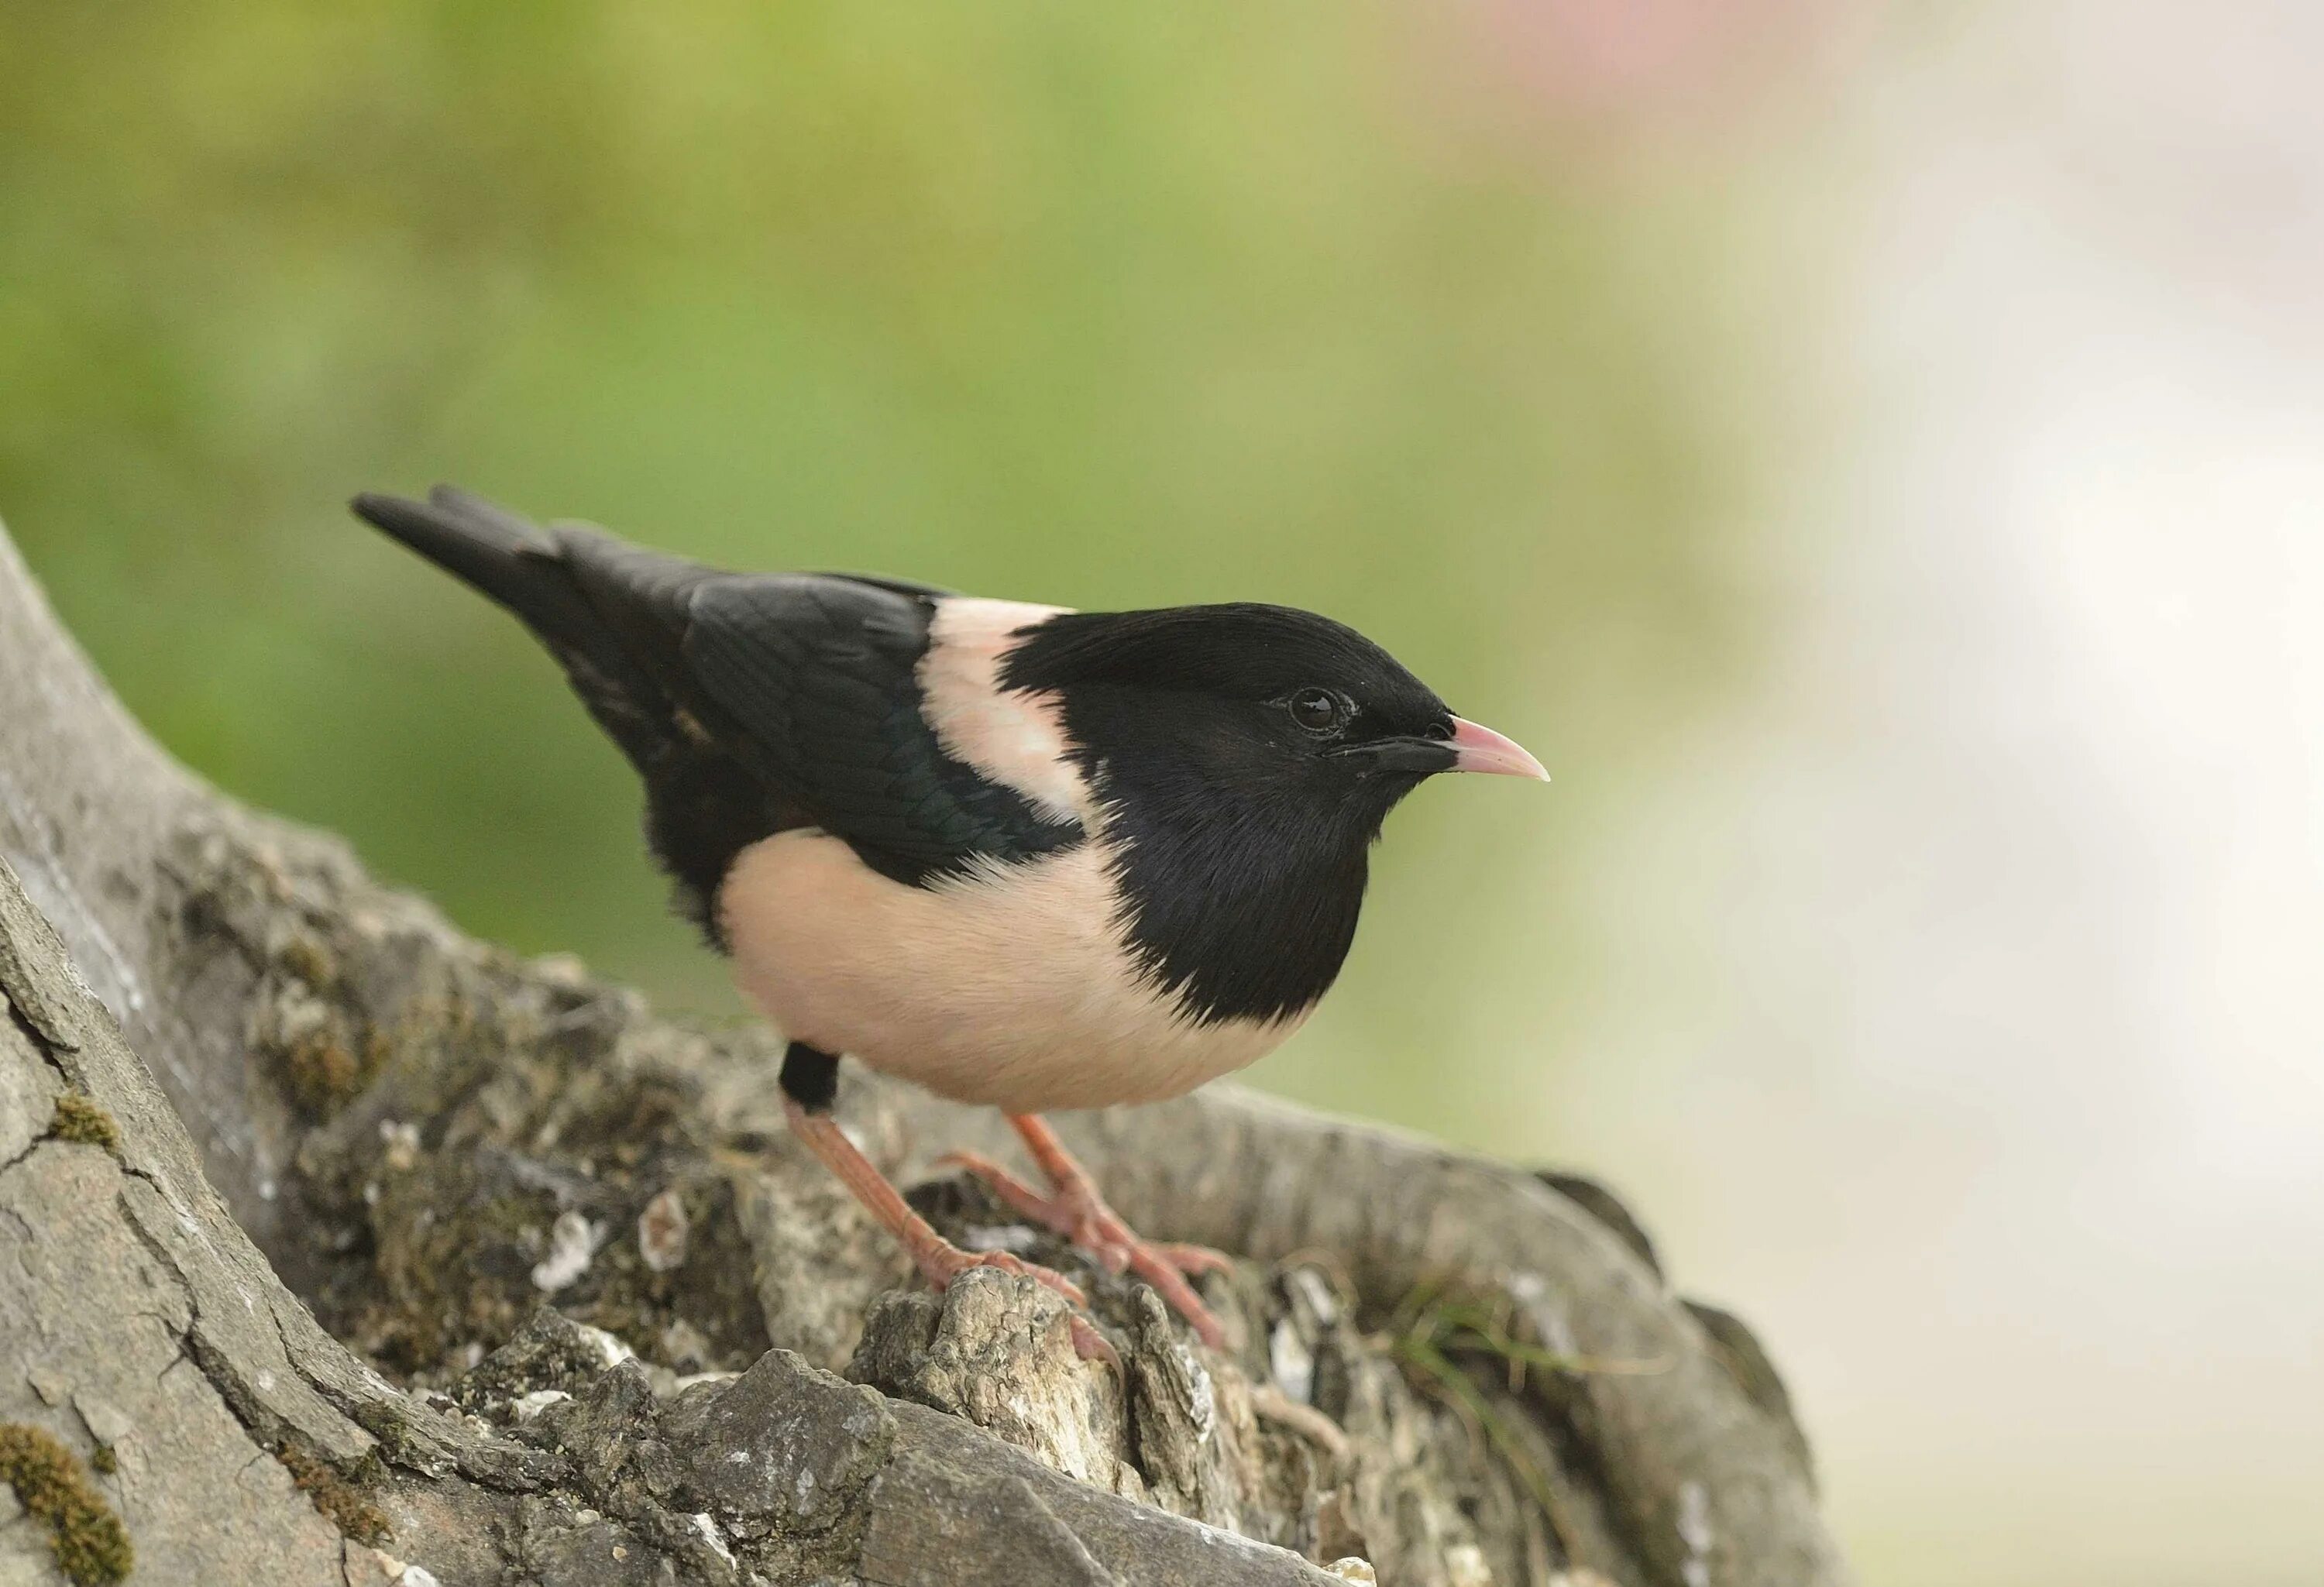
{"x":750,"y":702}
{"x":817,"y":676}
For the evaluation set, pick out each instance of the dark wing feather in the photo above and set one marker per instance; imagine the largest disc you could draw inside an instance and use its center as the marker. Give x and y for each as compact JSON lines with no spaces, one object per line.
{"x":902,"y":586}
{"x":809,"y":680}
{"x":749,"y":703}
{"x":817,"y":676}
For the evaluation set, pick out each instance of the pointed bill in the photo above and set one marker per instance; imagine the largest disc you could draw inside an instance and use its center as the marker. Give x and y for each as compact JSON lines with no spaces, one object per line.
{"x":1478,"y":748}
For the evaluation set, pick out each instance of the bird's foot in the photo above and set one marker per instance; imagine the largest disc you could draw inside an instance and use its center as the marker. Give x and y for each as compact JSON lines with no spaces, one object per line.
{"x":940,"y":1262}
{"x":938,"y":1259}
{"x":1076,"y":1211}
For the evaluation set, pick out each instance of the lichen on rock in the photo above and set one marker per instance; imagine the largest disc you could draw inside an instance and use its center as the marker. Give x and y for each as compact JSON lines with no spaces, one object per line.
{"x":92,"y":1546}
{"x":81,"y":1121}
{"x":340,"y":1499}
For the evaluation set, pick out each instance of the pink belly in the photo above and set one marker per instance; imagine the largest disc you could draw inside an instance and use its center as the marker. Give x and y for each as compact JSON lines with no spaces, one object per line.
{"x":1010,"y":987}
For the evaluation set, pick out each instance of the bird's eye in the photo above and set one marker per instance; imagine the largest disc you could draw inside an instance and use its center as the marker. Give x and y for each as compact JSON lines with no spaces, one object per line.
{"x":1318,"y":710}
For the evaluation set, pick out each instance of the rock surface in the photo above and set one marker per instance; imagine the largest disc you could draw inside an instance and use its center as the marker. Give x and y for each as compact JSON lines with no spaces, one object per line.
{"x":381,"y":1277}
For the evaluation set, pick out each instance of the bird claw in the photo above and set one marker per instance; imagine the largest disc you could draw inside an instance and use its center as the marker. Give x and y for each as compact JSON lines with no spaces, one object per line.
{"x":1076,"y":1212}
{"x":942,"y":1262}
{"x":1093,"y":1346}
{"x":1193,"y":1261}
{"x":939,"y":1260}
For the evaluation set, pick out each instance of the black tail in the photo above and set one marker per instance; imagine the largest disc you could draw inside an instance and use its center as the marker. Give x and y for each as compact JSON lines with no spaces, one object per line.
{"x":502,"y":556}
{"x":604,"y":630}
{"x":616,"y":616}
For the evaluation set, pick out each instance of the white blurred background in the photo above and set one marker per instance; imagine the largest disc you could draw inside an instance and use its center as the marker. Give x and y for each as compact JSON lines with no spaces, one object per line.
{"x":1966,"y":1027}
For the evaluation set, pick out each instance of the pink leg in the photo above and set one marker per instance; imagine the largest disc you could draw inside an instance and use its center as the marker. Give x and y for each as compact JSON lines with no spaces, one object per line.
{"x":939,"y":1260}
{"x":1074,"y":1209}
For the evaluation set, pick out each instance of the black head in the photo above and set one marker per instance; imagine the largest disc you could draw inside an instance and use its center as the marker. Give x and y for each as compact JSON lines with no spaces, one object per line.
{"x":1249,"y":754}
{"x":1251,"y":704}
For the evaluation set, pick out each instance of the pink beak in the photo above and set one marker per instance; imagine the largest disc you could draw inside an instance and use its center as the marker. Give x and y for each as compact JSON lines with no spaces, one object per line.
{"x":1479,"y":749}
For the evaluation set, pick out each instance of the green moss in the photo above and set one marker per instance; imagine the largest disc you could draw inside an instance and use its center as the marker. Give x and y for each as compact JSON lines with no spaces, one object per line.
{"x":325,"y":1070}
{"x":82,"y":1121}
{"x":340,"y":1499}
{"x":309,"y":961}
{"x":1438,"y":1332}
{"x":329,"y":1063}
{"x":395,"y":1440}
{"x":92,"y":1546}
{"x":323,"y":1073}
{"x":103,"y":1461}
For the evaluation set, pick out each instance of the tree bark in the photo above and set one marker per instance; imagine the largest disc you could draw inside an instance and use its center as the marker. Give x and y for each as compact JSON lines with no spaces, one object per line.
{"x":360,"y":1253}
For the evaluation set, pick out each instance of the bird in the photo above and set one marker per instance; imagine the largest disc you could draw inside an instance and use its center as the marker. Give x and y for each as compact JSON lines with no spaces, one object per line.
{"x":1023,"y":856}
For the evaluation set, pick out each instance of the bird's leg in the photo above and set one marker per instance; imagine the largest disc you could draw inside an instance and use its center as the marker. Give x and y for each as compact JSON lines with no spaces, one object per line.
{"x":1074,"y":1209}
{"x":939,"y":1260}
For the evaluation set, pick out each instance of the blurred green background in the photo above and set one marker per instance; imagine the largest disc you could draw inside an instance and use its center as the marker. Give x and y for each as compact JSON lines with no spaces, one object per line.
{"x":1101,"y":307}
